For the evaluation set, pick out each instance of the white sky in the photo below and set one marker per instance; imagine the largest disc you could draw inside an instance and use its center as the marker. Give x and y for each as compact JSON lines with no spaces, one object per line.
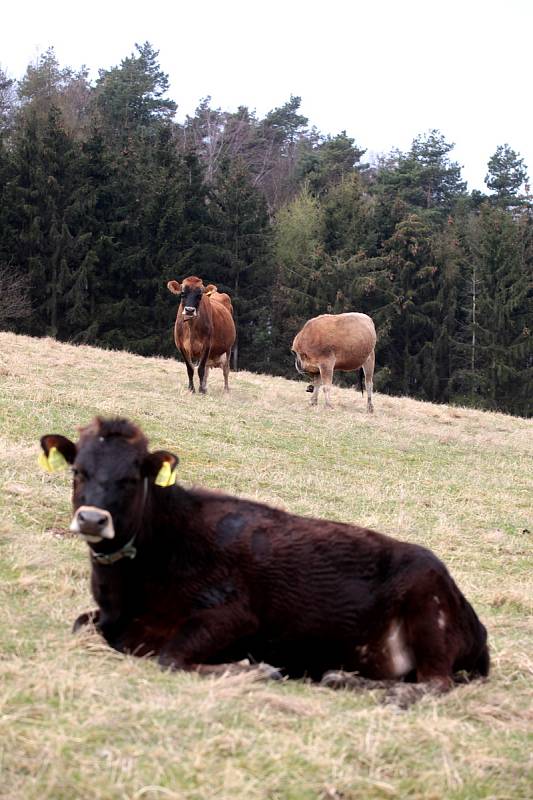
{"x":384,"y":70}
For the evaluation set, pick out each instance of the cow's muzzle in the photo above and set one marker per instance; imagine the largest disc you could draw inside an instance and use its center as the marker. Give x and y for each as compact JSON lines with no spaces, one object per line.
{"x":189,"y":312}
{"x":93,"y":523}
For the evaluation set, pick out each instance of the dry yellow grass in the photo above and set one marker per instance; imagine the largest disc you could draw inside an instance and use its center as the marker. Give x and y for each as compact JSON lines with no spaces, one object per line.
{"x":80,"y":721}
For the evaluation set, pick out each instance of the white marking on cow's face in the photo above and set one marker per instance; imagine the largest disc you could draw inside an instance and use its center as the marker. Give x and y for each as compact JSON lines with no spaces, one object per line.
{"x":93,"y":533}
{"x":401,"y":656}
{"x":441,"y":620}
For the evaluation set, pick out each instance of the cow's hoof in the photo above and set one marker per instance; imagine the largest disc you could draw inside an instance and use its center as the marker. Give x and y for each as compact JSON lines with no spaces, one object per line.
{"x":337,"y":679}
{"x":89,"y":618}
{"x":266,"y":672}
{"x":310,"y":388}
{"x":168,"y":663}
{"x":404,"y":695}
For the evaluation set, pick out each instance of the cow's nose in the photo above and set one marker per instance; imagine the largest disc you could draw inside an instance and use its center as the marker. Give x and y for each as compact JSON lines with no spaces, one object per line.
{"x":189,"y":310}
{"x":93,"y":522}
{"x":90,"y":521}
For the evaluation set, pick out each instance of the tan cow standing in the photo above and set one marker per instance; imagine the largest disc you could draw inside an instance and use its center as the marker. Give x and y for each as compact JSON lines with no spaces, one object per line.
{"x":204,"y":331}
{"x":336,"y":342}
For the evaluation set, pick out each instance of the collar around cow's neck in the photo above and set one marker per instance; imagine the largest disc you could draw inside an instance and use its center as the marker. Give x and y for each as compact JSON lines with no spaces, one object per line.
{"x":128,"y":551}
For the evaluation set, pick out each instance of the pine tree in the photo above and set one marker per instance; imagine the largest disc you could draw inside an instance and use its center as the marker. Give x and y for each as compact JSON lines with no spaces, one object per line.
{"x":129,"y":98}
{"x":422,"y":180}
{"x":506,"y":174}
{"x":329,"y":161}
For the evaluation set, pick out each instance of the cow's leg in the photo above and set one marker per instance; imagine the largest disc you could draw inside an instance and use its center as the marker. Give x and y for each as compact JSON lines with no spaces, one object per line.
{"x":326,"y":375}
{"x":207,"y":633}
{"x":190,"y":371}
{"x":202,"y":374}
{"x":317,"y":383}
{"x":225,"y":369}
{"x":429,"y":621}
{"x":203,"y":380}
{"x":395,"y":692}
{"x":368,"y":369}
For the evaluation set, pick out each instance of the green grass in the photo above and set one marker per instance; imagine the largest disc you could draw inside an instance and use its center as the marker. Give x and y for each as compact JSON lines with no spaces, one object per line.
{"x":80,"y":721}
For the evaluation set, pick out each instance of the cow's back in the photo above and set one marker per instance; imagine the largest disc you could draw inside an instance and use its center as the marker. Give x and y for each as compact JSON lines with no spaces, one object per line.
{"x":350,"y":337}
{"x":225,"y":299}
{"x":224,"y":333}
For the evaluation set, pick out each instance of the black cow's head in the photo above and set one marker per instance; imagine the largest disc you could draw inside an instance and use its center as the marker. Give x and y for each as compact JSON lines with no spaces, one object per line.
{"x":191,"y":291}
{"x":112,"y":471}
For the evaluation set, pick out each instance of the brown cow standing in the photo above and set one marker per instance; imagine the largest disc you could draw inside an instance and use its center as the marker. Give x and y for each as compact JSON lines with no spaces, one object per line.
{"x":199,"y":578}
{"x":204,"y":331}
{"x":336,"y":342}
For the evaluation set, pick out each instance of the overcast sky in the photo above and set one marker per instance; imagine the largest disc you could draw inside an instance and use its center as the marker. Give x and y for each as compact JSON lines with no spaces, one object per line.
{"x":384,"y":70}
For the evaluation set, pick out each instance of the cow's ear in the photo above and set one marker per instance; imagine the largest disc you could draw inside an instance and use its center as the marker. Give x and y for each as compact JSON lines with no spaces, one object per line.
{"x":174,"y":287}
{"x":161,"y":467}
{"x":57,"y":452}
{"x":210,"y":289}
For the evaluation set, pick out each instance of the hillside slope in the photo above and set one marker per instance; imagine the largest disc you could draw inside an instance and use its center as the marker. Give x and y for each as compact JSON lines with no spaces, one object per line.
{"x":78,"y":720}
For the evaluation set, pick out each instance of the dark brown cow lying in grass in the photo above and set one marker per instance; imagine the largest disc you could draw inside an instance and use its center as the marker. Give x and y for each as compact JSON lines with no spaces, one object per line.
{"x":199,"y":578}
{"x":336,"y":343}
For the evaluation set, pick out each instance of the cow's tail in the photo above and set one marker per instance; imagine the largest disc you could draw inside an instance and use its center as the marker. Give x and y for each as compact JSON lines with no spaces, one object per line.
{"x":298,"y":363}
{"x":362,"y":380}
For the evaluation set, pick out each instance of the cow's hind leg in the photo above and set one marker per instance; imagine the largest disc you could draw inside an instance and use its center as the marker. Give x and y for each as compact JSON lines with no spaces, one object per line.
{"x":225,"y":369}
{"x":395,"y":692}
{"x":368,"y":369}
{"x":428,"y":613}
{"x":326,"y":375}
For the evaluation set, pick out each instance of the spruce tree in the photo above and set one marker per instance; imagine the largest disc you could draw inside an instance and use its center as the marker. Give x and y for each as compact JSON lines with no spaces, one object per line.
{"x":244,"y":261}
{"x":500,"y":330}
{"x":45,"y":219}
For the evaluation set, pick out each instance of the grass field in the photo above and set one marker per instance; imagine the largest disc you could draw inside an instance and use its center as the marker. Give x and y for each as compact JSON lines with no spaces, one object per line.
{"x":78,"y":720}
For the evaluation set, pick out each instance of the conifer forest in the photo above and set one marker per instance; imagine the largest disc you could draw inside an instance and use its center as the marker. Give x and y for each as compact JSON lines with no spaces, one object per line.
{"x":105,"y":197}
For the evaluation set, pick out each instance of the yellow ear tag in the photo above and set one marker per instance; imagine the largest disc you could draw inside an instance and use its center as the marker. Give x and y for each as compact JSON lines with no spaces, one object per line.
{"x":43,"y":462}
{"x":166,"y":476}
{"x":54,"y":462}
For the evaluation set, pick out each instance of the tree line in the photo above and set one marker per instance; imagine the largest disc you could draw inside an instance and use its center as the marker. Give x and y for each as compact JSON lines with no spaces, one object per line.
{"x":105,"y":197}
